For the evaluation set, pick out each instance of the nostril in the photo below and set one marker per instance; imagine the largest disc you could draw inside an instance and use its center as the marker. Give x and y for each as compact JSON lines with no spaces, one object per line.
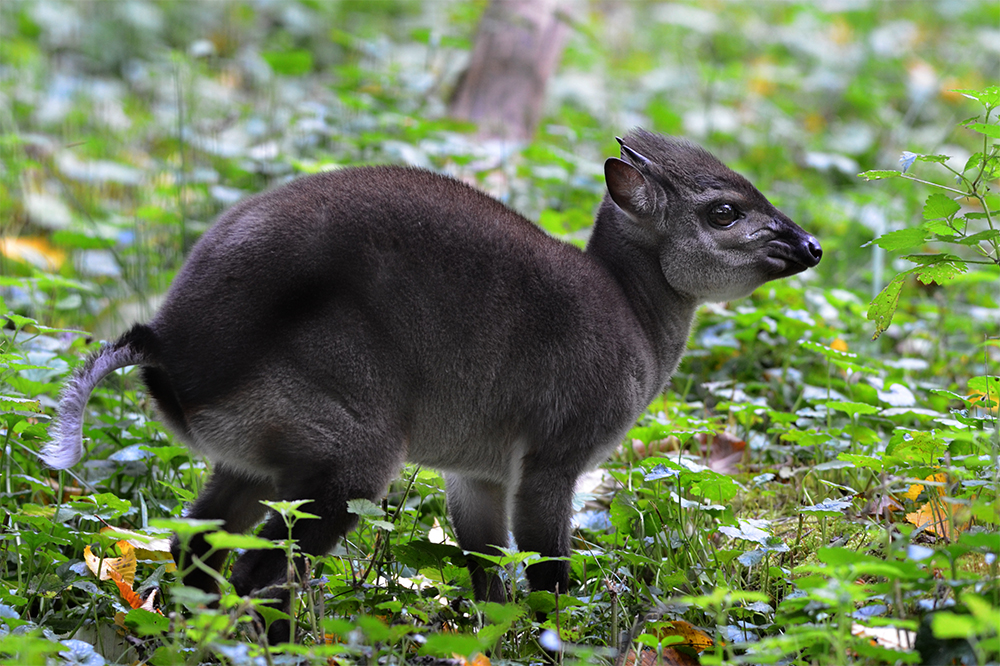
{"x":814,"y":249}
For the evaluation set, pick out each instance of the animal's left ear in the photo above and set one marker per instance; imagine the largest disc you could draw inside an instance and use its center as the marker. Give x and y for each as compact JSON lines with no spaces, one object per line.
{"x":631,"y":191}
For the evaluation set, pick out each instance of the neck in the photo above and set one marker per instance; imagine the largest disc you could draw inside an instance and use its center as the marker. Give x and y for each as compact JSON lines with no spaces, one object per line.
{"x":664,"y":314}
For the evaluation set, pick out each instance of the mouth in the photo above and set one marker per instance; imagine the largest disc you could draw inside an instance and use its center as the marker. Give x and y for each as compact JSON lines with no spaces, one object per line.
{"x":785,"y":259}
{"x":780,"y":266}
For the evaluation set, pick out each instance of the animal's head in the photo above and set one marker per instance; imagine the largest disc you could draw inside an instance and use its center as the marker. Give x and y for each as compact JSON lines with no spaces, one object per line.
{"x":717,"y":236}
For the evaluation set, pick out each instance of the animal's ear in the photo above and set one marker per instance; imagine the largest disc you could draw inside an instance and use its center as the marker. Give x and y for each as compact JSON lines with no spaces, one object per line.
{"x":633,"y":192}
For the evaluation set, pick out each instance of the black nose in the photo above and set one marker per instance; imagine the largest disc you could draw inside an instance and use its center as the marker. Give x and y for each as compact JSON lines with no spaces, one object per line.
{"x":814,"y":250}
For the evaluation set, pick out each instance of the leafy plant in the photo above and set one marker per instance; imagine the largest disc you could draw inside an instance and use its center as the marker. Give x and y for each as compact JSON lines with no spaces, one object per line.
{"x":971,"y":229}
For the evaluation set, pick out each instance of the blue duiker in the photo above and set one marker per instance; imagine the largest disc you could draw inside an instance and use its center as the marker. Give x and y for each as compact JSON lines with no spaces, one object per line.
{"x":323,"y":333}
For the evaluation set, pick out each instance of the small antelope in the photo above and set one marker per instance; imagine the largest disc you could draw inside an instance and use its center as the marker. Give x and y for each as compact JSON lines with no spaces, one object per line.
{"x":323,"y":333}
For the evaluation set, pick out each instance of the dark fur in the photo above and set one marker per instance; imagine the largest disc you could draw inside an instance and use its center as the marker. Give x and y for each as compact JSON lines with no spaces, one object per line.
{"x":323,"y":333}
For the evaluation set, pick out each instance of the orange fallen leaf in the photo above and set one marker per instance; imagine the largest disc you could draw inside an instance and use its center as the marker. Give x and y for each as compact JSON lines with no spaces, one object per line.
{"x":939,"y":519}
{"x":479,"y":660}
{"x":691,"y":635}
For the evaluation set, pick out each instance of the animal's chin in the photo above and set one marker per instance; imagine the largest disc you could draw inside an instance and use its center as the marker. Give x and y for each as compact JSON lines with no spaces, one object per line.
{"x":782,"y":267}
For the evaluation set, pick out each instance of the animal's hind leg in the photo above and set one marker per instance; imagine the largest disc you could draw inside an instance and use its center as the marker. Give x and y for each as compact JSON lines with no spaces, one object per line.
{"x":328,"y":472}
{"x":228,"y":496}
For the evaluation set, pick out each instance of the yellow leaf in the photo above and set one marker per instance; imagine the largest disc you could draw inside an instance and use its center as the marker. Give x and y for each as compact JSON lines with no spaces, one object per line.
{"x":914,"y":492}
{"x":839,"y":344}
{"x":35,"y":251}
{"x":123,"y":567}
{"x":147,"y":547}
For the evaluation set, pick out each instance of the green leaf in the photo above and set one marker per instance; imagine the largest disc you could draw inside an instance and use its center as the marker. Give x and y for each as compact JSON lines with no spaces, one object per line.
{"x":988,"y":389}
{"x":447,"y":645}
{"x":939,"y":206}
{"x":420,"y":554}
{"x":871,"y":462}
{"x":902,"y":239}
{"x":952,"y":625}
{"x":989,"y":130}
{"x":941,"y":273}
{"x":981,"y":237}
{"x":244,"y":541}
{"x":146,"y":623}
{"x":289,"y":63}
{"x":852,"y":408}
{"x":186,"y":526}
{"x":365,"y":507}
{"x":878,"y":174}
{"x":883,"y":306}
{"x":989,"y":97}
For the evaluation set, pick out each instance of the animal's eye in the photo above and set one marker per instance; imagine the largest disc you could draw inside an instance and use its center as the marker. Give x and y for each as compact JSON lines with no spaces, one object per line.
{"x":723,"y":215}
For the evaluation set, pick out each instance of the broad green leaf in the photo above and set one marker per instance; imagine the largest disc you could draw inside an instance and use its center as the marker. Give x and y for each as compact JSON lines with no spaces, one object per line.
{"x":987,"y":390}
{"x":290,"y":509}
{"x":951,"y":625}
{"x":852,"y":408}
{"x":10,"y":403}
{"x":244,"y":541}
{"x":186,"y":526}
{"x":989,"y":97}
{"x":981,"y":237}
{"x":938,"y":206}
{"x":365,"y":507}
{"x":289,"y":63}
{"x":989,"y":130}
{"x":941,"y":273}
{"x":941,"y":228}
{"x":903,"y":239}
{"x":841,"y":359}
{"x":939,"y":159}
{"x":146,"y":623}
{"x":883,"y":306}
{"x":879,"y":174}
{"x":871,"y":462}
{"x":448,"y":645}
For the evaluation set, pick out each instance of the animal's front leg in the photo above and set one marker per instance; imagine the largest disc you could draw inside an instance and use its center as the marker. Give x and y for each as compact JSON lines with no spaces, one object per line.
{"x":542,"y":509}
{"x":479,"y":515}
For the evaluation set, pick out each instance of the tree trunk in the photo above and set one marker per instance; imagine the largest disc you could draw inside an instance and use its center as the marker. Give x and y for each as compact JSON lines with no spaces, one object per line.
{"x":517,"y":49}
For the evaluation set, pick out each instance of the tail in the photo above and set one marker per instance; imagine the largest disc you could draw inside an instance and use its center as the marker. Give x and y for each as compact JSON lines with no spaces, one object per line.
{"x":66,"y":447}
